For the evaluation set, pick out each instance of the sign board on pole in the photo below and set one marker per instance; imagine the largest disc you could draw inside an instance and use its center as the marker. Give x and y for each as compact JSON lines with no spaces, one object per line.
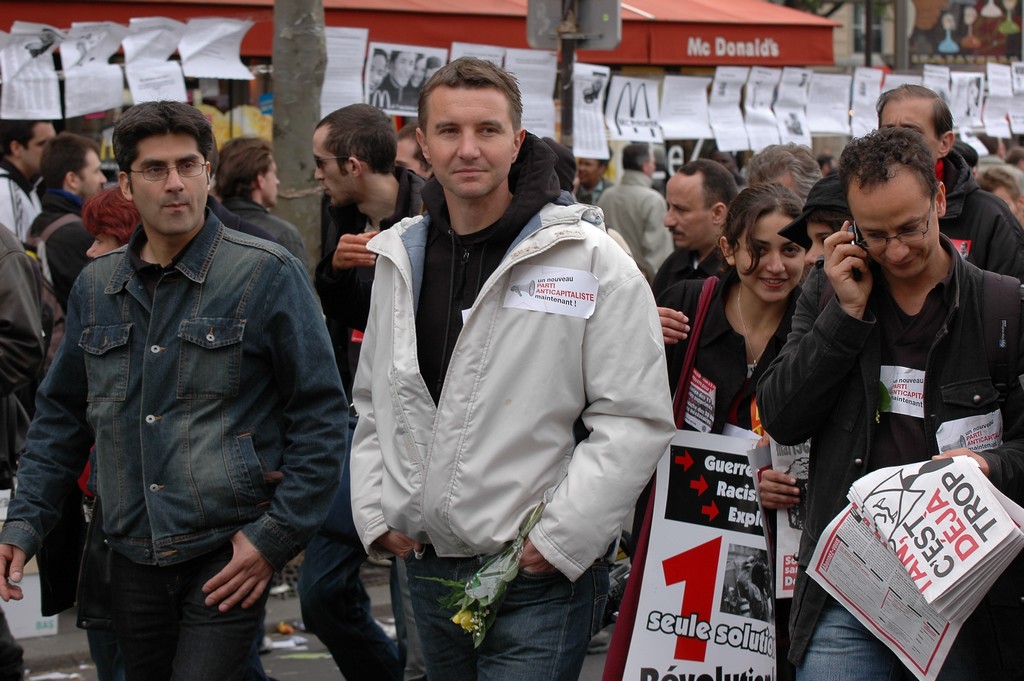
{"x":599,"y":21}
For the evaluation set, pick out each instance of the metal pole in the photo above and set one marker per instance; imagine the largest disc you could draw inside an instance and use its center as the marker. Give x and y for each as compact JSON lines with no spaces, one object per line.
{"x":901,"y":39}
{"x":567,"y":57}
{"x":869,"y":34}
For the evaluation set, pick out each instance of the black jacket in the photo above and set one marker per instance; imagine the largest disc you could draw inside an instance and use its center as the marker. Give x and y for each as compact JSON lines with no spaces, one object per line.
{"x":824,"y":385}
{"x":678,"y":268}
{"x":281,"y":231}
{"x":722,"y":355}
{"x":235,"y":221}
{"x":345,"y":295}
{"x":980,"y":221}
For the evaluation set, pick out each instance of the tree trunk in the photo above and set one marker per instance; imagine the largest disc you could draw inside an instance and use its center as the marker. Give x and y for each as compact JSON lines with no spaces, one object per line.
{"x":299,"y":62}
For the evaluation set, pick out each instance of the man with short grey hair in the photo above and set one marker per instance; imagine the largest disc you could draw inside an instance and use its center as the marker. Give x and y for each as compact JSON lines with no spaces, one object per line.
{"x":637,"y":212}
{"x":791,"y":165}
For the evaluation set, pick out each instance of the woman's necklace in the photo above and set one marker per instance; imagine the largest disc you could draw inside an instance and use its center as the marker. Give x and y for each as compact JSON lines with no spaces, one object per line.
{"x":746,"y":332}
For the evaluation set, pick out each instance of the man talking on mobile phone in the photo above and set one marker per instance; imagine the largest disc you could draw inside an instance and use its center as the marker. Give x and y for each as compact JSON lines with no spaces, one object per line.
{"x":911,"y":318}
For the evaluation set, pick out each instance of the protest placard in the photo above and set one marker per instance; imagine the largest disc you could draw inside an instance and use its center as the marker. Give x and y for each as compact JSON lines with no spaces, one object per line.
{"x":706,"y":607}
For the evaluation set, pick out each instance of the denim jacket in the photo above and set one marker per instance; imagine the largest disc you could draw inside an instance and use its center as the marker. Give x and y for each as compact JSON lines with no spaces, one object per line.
{"x":214,"y":406}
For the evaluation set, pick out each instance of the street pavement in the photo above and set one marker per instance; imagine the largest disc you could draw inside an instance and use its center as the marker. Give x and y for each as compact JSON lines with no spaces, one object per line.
{"x":66,"y":654}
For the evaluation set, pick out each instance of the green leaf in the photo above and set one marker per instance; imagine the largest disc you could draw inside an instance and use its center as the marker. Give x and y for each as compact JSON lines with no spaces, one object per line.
{"x":884,"y":398}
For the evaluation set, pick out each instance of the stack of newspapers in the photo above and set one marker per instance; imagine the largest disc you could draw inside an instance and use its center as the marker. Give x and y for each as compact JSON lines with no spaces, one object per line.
{"x":952,"y":531}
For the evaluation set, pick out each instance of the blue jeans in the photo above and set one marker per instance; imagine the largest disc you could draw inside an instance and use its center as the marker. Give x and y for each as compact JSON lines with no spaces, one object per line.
{"x":336,"y":607}
{"x":409,"y":648}
{"x":842,"y":649}
{"x":167,"y":632}
{"x":541,"y":632}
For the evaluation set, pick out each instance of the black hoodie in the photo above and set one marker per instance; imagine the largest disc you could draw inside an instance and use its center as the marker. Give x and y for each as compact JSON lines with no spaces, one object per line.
{"x":979,"y":223}
{"x":456,"y":267}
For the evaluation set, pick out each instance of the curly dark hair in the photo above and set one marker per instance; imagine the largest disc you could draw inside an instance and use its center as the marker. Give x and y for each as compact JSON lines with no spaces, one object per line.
{"x":869,"y":160}
{"x":749,"y":206}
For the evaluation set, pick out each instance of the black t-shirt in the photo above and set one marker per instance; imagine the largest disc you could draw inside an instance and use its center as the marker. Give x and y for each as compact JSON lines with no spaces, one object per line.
{"x":900,"y":437}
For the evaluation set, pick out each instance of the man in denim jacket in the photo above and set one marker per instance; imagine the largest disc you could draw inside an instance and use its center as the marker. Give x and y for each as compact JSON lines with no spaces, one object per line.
{"x":194,"y":358}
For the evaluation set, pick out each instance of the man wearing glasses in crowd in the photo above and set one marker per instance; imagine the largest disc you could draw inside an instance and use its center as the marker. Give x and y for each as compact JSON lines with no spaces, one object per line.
{"x":897,"y":307}
{"x":194,"y":358}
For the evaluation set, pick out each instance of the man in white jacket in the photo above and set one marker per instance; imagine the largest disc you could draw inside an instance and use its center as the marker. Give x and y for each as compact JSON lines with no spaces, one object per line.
{"x":512,"y":356}
{"x":21,"y":148}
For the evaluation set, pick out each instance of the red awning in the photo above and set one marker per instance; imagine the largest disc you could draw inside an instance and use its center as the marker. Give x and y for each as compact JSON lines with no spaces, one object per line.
{"x":656,"y":32}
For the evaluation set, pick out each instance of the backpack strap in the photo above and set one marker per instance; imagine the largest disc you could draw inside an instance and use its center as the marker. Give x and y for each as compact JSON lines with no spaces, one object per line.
{"x":1001,"y":297}
{"x":37,"y":244}
{"x":65,"y":219}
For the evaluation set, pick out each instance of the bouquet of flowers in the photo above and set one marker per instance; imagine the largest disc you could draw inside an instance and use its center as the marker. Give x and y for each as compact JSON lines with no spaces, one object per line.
{"x":476,"y":602}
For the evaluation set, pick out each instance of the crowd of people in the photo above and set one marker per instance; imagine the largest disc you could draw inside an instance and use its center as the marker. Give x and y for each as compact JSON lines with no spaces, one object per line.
{"x":166,"y":355}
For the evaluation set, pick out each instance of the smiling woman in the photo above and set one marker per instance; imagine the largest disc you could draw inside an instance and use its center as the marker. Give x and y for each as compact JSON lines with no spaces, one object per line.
{"x":749,"y":316}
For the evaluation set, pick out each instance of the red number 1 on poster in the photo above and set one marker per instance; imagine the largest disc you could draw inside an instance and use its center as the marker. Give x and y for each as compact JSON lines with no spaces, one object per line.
{"x":697,"y":568}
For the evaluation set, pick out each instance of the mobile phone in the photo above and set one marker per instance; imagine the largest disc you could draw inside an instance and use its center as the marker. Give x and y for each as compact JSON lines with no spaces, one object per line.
{"x":858,"y":240}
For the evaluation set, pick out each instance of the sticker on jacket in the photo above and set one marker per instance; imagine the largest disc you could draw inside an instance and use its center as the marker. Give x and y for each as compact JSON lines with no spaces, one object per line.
{"x":962,"y":246}
{"x":905,"y":388}
{"x":552,"y":289}
{"x":976,"y":433}
{"x":700,"y":403}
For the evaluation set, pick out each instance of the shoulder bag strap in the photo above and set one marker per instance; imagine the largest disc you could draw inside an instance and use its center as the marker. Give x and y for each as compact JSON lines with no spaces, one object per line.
{"x":707,"y":291}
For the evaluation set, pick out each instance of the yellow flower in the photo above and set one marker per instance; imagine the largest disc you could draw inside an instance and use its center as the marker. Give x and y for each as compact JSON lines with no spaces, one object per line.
{"x":464,"y":618}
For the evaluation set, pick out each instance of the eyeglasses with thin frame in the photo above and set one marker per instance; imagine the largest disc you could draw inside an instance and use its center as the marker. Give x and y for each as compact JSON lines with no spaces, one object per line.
{"x":321,"y":160}
{"x":880,"y":243}
{"x":159,"y":173}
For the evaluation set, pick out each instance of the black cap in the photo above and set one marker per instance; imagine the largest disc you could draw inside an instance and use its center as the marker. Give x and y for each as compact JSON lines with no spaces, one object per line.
{"x":826,"y":194}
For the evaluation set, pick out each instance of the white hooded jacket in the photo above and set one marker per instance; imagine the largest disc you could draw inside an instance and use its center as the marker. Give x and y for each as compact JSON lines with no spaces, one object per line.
{"x":463,"y":474}
{"x":17,"y":208}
